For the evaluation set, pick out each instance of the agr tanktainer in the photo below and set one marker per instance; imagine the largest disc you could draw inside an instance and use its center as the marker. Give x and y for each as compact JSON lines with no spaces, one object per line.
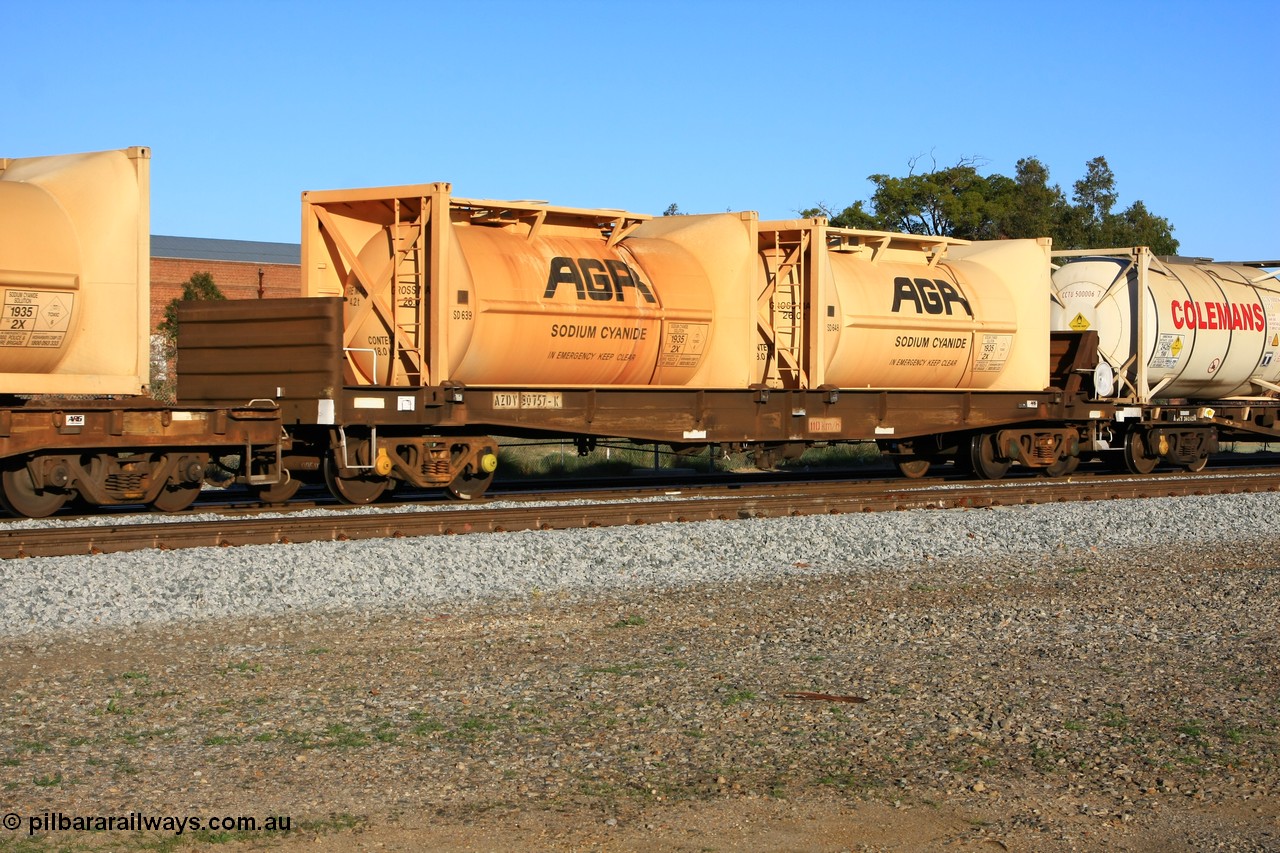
{"x":447,"y":290}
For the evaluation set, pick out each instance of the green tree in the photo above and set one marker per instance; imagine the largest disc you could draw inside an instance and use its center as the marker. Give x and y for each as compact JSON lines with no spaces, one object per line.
{"x":958,"y":201}
{"x":1031,"y":207}
{"x":1137,"y":226}
{"x":954,"y":201}
{"x":855,"y":215}
{"x":200,"y":286}
{"x":164,"y":347}
{"x":1092,"y":224}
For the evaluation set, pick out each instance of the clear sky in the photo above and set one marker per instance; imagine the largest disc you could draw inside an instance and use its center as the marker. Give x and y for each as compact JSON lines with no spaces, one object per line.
{"x":711,"y":105}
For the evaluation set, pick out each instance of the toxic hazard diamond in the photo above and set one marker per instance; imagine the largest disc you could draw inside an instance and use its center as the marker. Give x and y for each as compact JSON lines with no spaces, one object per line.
{"x":1079,"y":323}
{"x":54,"y":314}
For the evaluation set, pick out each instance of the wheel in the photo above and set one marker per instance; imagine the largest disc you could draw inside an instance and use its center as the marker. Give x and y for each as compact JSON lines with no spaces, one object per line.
{"x":353,"y":490}
{"x":982,"y":454}
{"x":475,"y":479}
{"x":278,"y":493}
{"x":175,"y":498}
{"x":1196,"y":466}
{"x":1063,"y":466}
{"x":1138,"y":459}
{"x":912,"y":467}
{"x":467,"y":487}
{"x":20,"y":497}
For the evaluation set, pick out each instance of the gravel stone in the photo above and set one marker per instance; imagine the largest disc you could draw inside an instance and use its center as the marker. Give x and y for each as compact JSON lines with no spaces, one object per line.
{"x":1099,"y":676}
{"x":146,"y":587}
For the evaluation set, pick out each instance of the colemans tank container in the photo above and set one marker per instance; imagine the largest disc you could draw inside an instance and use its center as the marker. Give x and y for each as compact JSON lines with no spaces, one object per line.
{"x":1174,"y":328}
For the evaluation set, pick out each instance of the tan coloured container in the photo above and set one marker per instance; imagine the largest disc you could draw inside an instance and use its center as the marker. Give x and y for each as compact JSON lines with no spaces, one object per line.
{"x":1202,"y":331}
{"x":975,"y":318}
{"x":523,"y":294}
{"x":441,"y":289}
{"x":75,"y":273}
{"x":901,"y":310}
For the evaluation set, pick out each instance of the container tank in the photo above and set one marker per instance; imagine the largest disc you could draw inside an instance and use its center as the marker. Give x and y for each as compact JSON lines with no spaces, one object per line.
{"x":1174,"y":328}
{"x":441,"y":289}
{"x":75,"y":273}
{"x":447,"y":290}
{"x":941,"y":315}
{"x":882,"y":310}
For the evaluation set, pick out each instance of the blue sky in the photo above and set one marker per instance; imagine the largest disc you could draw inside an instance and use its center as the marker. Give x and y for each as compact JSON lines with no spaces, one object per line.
{"x":767,"y":106}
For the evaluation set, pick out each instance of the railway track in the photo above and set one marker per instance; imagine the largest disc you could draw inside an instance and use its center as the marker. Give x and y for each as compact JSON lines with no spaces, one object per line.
{"x":650,"y":505}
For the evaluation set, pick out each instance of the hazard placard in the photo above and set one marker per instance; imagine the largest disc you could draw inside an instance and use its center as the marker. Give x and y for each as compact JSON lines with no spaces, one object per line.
{"x":35,"y":318}
{"x":1079,"y":323}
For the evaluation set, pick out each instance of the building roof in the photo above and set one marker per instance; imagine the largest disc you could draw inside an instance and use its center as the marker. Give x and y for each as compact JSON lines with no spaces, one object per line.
{"x":243,"y":251}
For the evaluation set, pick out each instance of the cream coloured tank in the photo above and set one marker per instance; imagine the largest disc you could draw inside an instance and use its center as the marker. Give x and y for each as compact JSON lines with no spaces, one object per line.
{"x":975,"y":319}
{"x":40,"y":274}
{"x":74,"y":273}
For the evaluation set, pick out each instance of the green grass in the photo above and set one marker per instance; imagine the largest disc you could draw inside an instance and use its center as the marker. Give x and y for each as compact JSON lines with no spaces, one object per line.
{"x":243,"y":666}
{"x":116,"y":706}
{"x":1191,"y":730}
{"x":614,"y":669}
{"x":1115,"y":719}
{"x":428,"y":726}
{"x":345,"y":737}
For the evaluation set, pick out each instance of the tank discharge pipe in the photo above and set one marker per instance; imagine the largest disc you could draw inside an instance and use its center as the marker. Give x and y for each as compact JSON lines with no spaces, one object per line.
{"x":373,"y":449}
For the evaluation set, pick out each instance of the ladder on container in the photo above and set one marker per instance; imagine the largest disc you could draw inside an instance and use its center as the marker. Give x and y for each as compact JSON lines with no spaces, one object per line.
{"x":409,"y":291}
{"x":786,"y":288}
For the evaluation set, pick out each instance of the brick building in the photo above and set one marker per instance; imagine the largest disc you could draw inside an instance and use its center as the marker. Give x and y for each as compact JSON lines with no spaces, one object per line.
{"x":238,"y":267}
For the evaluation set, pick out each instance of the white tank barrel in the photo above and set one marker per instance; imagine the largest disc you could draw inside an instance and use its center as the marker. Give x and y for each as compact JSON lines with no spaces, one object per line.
{"x":1195,"y":329}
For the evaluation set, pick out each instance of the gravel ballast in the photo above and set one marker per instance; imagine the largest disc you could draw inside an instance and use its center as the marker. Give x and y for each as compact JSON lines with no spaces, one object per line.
{"x":149,"y":587}
{"x":1098,"y":676}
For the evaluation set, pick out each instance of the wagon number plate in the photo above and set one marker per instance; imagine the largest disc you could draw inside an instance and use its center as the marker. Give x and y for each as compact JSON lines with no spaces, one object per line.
{"x":528,"y":400}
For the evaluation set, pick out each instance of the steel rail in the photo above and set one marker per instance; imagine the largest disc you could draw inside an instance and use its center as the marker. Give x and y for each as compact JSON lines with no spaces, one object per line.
{"x":813,"y":499}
